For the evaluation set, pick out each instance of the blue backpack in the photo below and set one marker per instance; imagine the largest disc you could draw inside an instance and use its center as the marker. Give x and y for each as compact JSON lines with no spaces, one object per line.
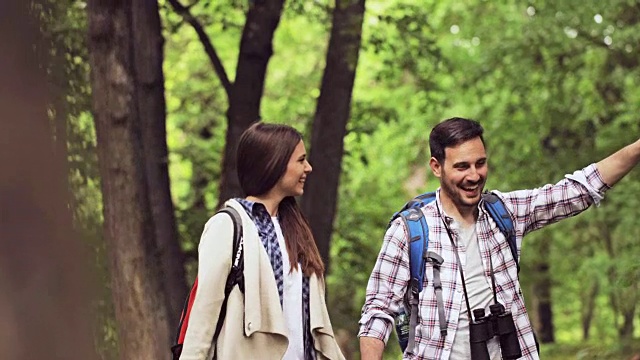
{"x":416,"y":225}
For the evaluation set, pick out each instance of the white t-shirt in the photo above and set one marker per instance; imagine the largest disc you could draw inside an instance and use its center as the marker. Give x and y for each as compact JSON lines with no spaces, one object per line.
{"x":291,"y":300}
{"x":480,"y":295}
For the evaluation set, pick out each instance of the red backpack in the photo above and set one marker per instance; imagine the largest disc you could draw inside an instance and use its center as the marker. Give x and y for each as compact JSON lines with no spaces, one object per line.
{"x":236,"y":277}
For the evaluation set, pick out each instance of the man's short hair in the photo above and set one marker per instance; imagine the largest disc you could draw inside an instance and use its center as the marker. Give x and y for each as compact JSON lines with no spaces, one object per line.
{"x":453,"y":132}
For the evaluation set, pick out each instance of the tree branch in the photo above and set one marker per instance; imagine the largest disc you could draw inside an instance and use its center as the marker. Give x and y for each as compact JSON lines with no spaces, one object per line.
{"x":206,"y":42}
{"x":592,"y":39}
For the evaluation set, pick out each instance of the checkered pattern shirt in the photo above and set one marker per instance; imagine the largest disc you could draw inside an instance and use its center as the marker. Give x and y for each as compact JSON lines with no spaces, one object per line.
{"x":267,"y":232}
{"x":530,"y":210}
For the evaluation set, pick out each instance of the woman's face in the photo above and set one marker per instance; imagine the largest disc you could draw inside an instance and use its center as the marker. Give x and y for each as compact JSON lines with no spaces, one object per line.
{"x":292,"y":182}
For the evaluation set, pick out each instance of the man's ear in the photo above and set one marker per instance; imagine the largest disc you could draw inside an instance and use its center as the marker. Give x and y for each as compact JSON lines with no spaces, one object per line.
{"x":436,"y":167}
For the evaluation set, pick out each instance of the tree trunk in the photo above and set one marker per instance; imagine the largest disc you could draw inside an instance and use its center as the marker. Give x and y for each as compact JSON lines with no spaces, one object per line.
{"x":148,"y":57}
{"x":330,"y":122}
{"x":545,"y":312}
{"x":589,"y":308}
{"x":136,"y":285}
{"x":246,"y":92}
{"x":626,"y":331}
{"x":44,"y":272}
{"x":612,"y":276}
{"x":542,"y":291}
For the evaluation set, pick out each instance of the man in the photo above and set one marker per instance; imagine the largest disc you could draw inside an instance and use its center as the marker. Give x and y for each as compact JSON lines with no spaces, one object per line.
{"x":481,"y":252}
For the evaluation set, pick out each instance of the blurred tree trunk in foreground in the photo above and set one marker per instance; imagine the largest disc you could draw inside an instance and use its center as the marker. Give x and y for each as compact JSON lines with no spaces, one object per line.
{"x":44,"y":283}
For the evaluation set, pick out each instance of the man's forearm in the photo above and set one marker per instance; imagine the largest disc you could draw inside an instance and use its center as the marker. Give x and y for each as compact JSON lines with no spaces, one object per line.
{"x":617,"y":165}
{"x":371,"y":348}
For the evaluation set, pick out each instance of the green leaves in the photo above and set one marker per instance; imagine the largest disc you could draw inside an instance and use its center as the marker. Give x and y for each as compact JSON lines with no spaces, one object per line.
{"x":555,"y":84}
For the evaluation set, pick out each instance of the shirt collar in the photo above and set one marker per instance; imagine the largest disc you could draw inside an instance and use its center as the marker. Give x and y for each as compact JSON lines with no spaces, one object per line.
{"x":253,"y":208}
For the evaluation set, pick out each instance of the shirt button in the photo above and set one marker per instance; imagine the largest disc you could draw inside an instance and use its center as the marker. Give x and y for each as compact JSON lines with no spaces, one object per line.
{"x":249,"y":326}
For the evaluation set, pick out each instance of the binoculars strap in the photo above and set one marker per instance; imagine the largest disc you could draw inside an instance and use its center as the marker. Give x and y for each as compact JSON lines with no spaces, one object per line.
{"x":493,"y":281}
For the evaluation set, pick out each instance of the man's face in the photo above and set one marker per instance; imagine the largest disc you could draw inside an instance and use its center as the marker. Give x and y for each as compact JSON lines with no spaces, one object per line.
{"x":463,"y":174}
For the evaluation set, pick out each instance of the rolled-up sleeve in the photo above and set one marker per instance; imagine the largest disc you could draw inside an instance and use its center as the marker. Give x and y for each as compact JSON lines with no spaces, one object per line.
{"x":536,"y":208}
{"x":591,"y":179}
{"x":387,"y":285}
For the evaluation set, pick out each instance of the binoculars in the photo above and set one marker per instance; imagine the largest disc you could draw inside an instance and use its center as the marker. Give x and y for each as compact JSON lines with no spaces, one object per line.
{"x":402,"y":329}
{"x":498,"y":323}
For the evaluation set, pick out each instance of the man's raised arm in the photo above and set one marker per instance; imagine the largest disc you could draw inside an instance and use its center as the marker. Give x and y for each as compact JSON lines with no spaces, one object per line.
{"x":616,"y":166}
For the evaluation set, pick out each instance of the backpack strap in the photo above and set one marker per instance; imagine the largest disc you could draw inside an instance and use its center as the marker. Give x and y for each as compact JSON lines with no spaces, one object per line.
{"x":437,"y":260}
{"x":415,"y":203}
{"x":501,"y":216}
{"x":418,"y":241}
{"x":236,"y":276}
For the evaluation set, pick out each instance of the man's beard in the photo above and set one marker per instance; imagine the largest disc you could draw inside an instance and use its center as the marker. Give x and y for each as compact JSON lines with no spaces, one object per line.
{"x":455,"y":194}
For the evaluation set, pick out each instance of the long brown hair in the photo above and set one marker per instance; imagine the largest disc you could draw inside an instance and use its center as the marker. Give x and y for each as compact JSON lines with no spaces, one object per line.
{"x":264,"y":151}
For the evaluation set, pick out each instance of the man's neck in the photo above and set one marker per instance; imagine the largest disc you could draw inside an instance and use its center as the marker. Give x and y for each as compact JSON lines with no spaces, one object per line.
{"x":465,"y":215}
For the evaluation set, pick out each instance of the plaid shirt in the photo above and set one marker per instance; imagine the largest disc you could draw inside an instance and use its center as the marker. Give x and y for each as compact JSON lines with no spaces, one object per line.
{"x":267,"y":232}
{"x":530,"y":210}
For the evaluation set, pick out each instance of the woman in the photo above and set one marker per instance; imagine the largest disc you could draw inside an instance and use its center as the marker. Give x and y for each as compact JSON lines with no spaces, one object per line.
{"x":282,"y":314}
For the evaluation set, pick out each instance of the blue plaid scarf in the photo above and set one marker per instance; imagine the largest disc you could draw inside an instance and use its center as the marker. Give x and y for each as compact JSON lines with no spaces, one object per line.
{"x":261,"y":218}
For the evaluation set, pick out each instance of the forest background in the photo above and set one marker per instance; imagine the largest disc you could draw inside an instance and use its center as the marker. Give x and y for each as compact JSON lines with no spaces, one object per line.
{"x":146,"y":101}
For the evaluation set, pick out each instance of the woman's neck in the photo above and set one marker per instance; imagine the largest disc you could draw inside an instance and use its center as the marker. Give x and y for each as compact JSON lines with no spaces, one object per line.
{"x":269,"y":202}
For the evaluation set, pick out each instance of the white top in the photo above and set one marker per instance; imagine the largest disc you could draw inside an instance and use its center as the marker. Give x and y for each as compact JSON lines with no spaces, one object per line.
{"x":292,"y":300}
{"x":480,"y":295}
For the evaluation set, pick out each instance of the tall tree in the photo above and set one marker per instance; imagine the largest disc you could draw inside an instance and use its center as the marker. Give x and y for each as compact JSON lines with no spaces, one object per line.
{"x":542,"y":289}
{"x":256,"y":48}
{"x":245,"y":93}
{"x":148,"y":42}
{"x":330,"y":121}
{"x":136,"y":281}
